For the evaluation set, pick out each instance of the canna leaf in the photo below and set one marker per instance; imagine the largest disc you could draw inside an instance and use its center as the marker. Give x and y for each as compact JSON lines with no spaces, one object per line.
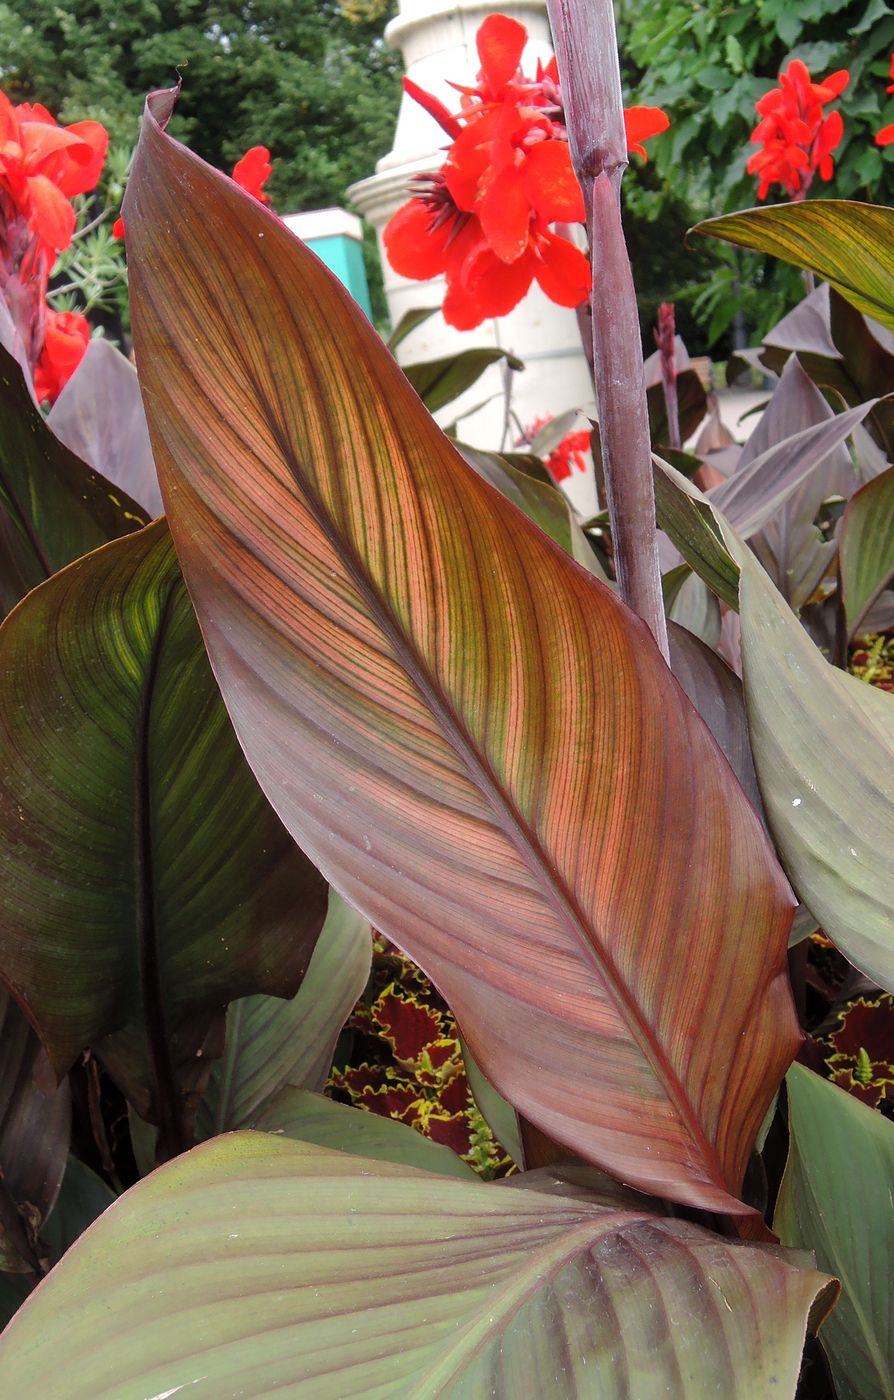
{"x":829,"y":806}
{"x":99,"y":415}
{"x":472,"y":737}
{"x":258,"y":1266}
{"x":272,"y":1042}
{"x":866,"y":547}
{"x":848,"y":244}
{"x":439,"y":382}
{"x":835,"y":1199}
{"x":145,"y":881}
{"x":311,"y":1118}
{"x":53,"y":506}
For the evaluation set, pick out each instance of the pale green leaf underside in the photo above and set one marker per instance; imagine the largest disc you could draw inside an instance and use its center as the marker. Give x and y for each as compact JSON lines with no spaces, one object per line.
{"x":836,"y":1200}
{"x":272,"y":1041}
{"x":823,"y":745}
{"x":255,"y":1266}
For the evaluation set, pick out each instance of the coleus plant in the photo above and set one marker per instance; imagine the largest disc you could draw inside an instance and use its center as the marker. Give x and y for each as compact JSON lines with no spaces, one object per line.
{"x":344,"y":635}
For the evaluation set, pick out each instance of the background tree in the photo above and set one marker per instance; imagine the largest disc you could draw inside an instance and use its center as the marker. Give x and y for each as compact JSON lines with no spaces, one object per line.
{"x":313,"y":80}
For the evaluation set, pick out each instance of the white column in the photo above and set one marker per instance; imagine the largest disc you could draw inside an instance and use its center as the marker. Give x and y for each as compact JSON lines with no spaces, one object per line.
{"x":437,"y":38}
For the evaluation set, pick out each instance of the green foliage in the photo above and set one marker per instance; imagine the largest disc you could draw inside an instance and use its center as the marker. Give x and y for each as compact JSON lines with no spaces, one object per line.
{"x":707,"y":64}
{"x":312,"y":81}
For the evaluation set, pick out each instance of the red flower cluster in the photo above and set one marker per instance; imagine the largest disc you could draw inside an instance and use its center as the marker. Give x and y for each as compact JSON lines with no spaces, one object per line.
{"x":42,"y":167}
{"x":886,"y":135}
{"x":796,"y":137}
{"x":483,"y":220}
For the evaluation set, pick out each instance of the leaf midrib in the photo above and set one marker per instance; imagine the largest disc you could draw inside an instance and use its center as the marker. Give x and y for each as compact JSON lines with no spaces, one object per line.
{"x":483,"y":777}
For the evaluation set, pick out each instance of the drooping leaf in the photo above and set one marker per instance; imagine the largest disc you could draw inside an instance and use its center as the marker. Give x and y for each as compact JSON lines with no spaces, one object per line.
{"x":271,"y":1042}
{"x":866,"y":547}
{"x":441,"y":703}
{"x":755,"y":492}
{"x":35,"y":1125}
{"x":53,"y":507}
{"x":716,"y":692}
{"x":547,"y":438}
{"x":408,"y":323}
{"x":696,"y":610}
{"x":835,"y":1199}
{"x":439,"y":382}
{"x":686,"y":516}
{"x":251,"y":1266}
{"x":145,"y":880}
{"x":830,"y":805}
{"x":850,"y":245}
{"x":311,"y":1118}
{"x":790,"y":546}
{"x":99,"y":415}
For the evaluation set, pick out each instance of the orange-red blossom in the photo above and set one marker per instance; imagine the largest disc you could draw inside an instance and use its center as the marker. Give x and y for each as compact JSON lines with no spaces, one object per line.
{"x":42,"y":167}
{"x":796,"y":136}
{"x":484,"y":219}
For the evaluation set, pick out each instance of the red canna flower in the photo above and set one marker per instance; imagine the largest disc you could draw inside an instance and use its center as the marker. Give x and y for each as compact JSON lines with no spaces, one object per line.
{"x":886,"y":135}
{"x":568,"y":457}
{"x":252,"y":172}
{"x":65,"y":341}
{"x":795,"y":135}
{"x":43,"y":165}
{"x":483,"y":219}
{"x":640,"y":123}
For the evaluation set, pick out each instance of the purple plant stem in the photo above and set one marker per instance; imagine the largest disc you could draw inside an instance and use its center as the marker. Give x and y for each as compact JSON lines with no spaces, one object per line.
{"x":587,"y":51}
{"x":666,"y":341}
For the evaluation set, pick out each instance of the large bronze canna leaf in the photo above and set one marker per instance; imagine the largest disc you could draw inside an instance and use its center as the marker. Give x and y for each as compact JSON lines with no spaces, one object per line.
{"x":261,"y":1268}
{"x":474,"y":740}
{"x":144,"y":880}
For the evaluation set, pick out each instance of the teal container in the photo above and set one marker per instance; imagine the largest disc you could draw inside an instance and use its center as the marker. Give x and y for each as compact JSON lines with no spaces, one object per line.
{"x":337,"y":239}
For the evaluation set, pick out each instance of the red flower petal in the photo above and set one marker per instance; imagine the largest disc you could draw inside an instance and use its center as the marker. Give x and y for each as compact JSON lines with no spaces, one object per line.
{"x":885,"y":136}
{"x":500,"y":41}
{"x":66,"y":337}
{"x":118,"y":227}
{"x":551,"y":185}
{"x":485,"y":287}
{"x":640,"y":123}
{"x":434,"y":107}
{"x":505,"y":214}
{"x":252,"y":170}
{"x":50,"y":214}
{"x":9,"y":122}
{"x":413,"y":248}
{"x":561,"y":269}
{"x":81,"y":175}
{"x":835,"y":84}
{"x":42,"y":143}
{"x":494,"y":286}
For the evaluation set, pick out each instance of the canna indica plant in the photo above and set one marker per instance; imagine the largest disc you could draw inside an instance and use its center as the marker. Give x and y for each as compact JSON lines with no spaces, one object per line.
{"x":353,"y":653}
